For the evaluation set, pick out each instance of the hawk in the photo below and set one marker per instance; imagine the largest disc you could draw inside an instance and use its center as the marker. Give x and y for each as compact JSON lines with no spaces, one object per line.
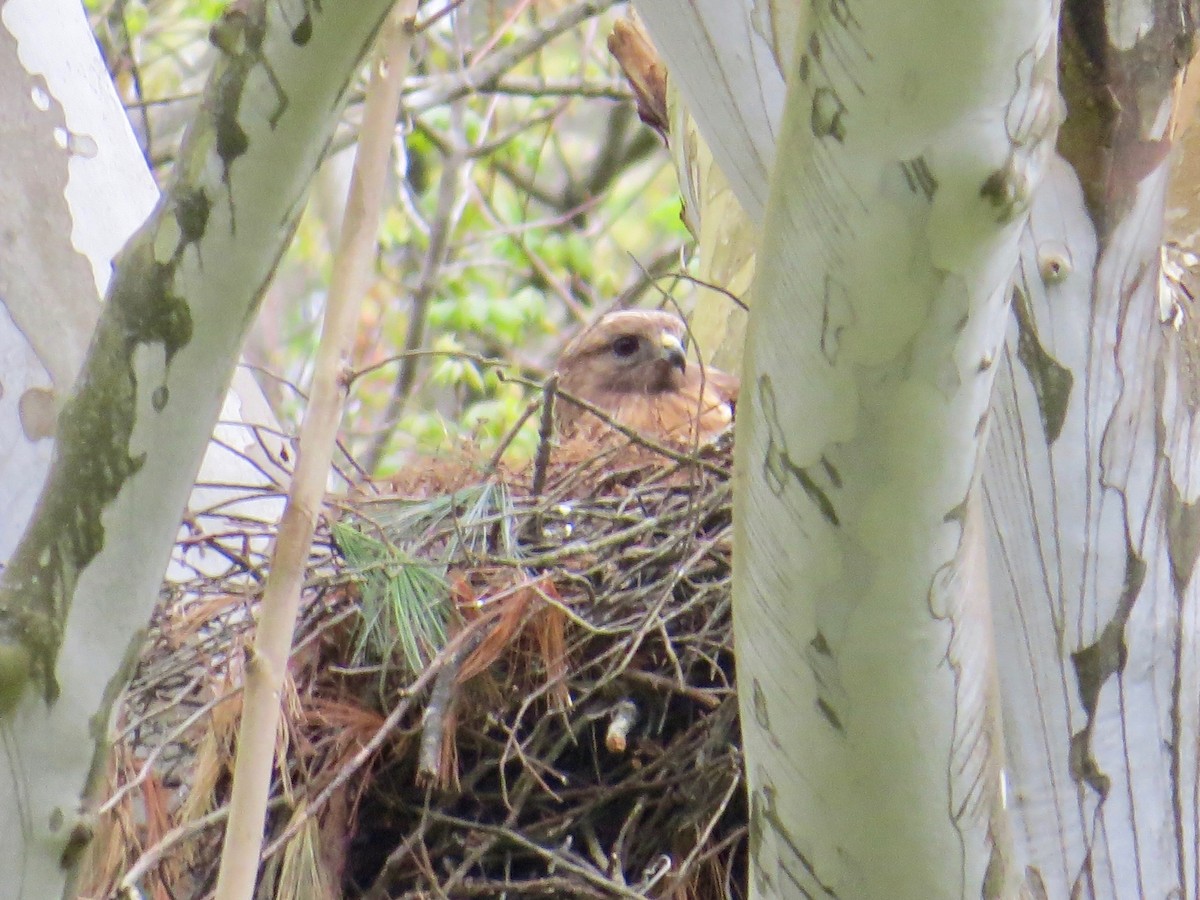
{"x":632,"y":364}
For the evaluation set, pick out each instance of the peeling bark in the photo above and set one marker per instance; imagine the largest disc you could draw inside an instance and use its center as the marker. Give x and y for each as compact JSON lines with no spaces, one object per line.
{"x":1088,"y":536}
{"x":86,"y":575}
{"x":1091,"y":545}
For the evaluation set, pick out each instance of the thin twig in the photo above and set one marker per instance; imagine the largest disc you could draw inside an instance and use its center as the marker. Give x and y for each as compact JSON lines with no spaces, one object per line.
{"x":481,"y":76}
{"x":435,"y":254}
{"x":173,"y":838}
{"x":267,"y":663}
{"x":371,"y":747}
{"x":511,"y":435}
{"x":545,"y":437}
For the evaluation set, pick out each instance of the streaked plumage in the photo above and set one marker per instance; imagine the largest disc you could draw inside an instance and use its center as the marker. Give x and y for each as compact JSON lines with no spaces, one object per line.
{"x":633,"y":365}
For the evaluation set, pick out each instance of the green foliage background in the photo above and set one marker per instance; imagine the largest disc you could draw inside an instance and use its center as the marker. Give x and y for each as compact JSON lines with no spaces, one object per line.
{"x":519,"y":210}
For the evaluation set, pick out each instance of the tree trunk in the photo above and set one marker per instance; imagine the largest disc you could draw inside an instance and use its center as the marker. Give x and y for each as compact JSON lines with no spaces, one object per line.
{"x":1091,"y":489}
{"x":87,"y":571}
{"x":866,"y":591}
{"x":74,"y":188}
{"x":900,"y":189}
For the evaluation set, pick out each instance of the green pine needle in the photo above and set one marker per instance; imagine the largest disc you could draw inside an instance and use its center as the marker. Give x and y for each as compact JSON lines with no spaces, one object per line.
{"x":400,"y":551}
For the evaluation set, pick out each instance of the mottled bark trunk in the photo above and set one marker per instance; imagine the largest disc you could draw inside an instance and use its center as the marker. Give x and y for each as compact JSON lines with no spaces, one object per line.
{"x":73,"y":187}
{"x":900,"y":191}
{"x":129,"y":439}
{"x":1080,"y":544}
{"x":1091,"y":487}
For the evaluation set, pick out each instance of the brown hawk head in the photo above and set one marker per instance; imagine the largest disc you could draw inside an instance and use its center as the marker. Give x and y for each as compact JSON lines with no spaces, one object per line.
{"x":633,"y":365}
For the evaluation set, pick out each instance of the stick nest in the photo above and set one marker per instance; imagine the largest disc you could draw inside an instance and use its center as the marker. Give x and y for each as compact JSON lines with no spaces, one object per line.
{"x":503,"y":684}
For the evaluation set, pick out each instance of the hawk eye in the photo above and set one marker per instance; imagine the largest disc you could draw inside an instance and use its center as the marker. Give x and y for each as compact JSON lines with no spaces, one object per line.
{"x":626,"y":345}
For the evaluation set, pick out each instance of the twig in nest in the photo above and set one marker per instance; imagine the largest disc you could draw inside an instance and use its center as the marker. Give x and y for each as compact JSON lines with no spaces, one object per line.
{"x":391,"y":866}
{"x":432,"y":769}
{"x":545,"y":437}
{"x":512,"y":433}
{"x":541,"y":463}
{"x":368,"y":750}
{"x":706,"y":833}
{"x":624,"y":717}
{"x":173,"y":838}
{"x":703,"y":696}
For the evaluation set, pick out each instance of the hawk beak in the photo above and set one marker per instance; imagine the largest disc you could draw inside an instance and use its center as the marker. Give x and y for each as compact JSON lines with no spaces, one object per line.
{"x":672,"y":351}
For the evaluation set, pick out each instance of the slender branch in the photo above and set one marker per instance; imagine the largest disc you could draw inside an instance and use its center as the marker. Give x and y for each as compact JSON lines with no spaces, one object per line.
{"x":485,"y":75}
{"x":517,"y":86}
{"x":545,"y":437}
{"x":266,"y":666}
{"x":666,"y":263}
{"x":435,"y":255}
{"x":576,"y":309}
{"x":511,"y":434}
{"x":177,"y":835}
{"x":435,"y":17}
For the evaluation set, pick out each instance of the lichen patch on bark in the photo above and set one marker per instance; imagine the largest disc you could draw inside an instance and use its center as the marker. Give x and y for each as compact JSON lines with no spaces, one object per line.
{"x":1094,"y":665}
{"x":92,"y":456}
{"x":1052,"y":381}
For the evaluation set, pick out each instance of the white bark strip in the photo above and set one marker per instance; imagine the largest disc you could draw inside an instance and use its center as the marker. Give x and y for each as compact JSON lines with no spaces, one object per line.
{"x":109,"y":188}
{"x":1091,"y":485}
{"x":896,"y":205}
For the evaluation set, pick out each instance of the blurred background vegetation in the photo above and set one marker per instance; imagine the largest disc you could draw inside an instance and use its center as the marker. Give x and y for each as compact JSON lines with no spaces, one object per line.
{"x":528,"y":197}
